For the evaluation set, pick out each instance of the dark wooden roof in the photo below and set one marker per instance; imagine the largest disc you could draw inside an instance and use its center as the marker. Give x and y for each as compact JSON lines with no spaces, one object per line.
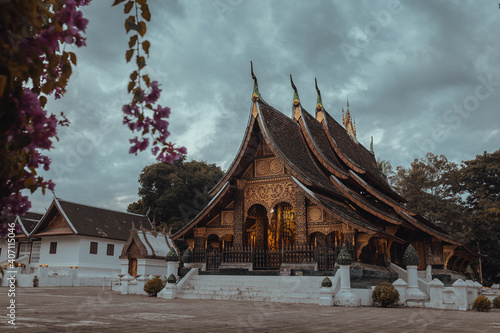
{"x":329,"y":166}
{"x":93,"y":221}
{"x":318,"y":142}
{"x":29,"y":221}
{"x":354,"y":154}
{"x":286,"y":137}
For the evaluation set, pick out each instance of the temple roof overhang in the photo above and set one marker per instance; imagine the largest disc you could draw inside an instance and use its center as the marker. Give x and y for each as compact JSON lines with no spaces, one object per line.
{"x":329,"y":167}
{"x":222,"y":197}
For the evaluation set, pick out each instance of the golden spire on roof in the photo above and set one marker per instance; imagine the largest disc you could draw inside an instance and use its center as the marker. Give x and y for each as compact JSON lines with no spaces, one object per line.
{"x":349,"y":123}
{"x":296,"y":101}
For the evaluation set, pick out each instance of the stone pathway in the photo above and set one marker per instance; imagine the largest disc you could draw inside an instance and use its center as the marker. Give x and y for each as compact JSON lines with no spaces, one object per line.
{"x":90,"y":309}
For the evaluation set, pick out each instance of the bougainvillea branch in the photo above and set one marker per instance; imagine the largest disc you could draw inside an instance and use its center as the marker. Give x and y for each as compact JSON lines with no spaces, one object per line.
{"x":33,"y":36}
{"x":143,"y":114}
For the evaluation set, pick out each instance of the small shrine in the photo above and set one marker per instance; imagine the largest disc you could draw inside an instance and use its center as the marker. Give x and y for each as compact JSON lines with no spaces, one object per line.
{"x":145,"y":253}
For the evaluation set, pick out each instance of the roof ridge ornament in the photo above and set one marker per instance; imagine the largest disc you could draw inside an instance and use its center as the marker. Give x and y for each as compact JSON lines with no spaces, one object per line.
{"x":296,"y":98}
{"x":371,"y":146}
{"x":296,"y":101}
{"x":256,"y":94}
{"x":347,"y":120}
{"x":319,"y":103}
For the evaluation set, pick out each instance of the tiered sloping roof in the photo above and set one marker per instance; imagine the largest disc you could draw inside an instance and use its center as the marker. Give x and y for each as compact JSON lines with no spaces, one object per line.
{"x":329,"y":166}
{"x":151,"y":244}
{"x":87,"y":220}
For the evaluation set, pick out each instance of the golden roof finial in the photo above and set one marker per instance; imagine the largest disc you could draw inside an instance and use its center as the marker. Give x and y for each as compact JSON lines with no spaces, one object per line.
{"x":349,"y":122}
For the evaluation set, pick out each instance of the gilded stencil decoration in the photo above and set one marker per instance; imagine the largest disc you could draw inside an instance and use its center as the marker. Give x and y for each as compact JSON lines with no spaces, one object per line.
{"x":269,"y":195}
{"x":268,"y":167}
{"x":314,"y":214}
{"x":227,"y":218}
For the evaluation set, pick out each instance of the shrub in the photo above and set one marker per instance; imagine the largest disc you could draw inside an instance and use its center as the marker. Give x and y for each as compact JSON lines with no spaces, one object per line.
{"x":496,"y":302}
{"x":327,"y":283}
{"x":482,"y":303}
{"x":154,"y":286}
{"x":385,"y":294}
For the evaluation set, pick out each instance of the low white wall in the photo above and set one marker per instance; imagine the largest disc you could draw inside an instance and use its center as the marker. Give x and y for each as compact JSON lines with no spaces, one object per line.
{"x":63,"y":278}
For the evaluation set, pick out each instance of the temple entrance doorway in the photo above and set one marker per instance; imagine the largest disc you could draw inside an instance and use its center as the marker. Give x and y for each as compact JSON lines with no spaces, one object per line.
{"x":281,"y":232}
{"x":256,"y":225}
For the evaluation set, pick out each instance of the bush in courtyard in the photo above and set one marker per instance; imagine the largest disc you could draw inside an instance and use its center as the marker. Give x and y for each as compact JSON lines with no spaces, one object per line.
{"x":154,"y":286}
{"x":327,"y":283}
{"x":496,"y":302}
{"x":482,"y":303}
{"x":385,"y":294}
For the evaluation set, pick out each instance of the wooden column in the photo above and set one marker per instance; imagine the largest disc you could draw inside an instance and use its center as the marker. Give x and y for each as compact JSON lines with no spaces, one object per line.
{"x":300,"y":219}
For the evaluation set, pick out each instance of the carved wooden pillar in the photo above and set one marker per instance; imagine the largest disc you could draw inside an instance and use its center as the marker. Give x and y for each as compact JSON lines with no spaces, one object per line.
{"x":349,"y":234}
{"x":300,"y":219}
{"x":239,"y":223}
{"x":200,"y":237}
{"x":391,"y":230}
{"x":363,"y":240}
{"x":420,"y":247}
{"x":448,"y":251}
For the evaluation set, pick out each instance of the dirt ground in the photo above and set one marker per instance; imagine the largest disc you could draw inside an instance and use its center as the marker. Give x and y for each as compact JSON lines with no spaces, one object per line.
{"x":90,"y":309}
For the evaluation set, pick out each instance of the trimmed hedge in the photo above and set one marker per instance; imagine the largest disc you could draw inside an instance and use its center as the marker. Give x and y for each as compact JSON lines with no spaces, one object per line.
{"x":385,"y":294}
{"x":496,"y":302}
{"x":154,"y":286}
{"x":482,"y":304}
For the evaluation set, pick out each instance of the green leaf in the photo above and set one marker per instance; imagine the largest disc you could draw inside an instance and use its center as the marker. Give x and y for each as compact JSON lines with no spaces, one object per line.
{"x":142,"y":28}
{"x":117,"y":2}
{"x":73,"y":57}
{"x":129,"y":54}
{"x":146,"y":79}
{"x":131,"y":86}
{"x":130,"y":23}
{"x":141,"y":62}
{"x":145,"y":12}
{"x":43,"y":101}
{"x":145,"y":46}
{"x":132,"y":41}
{"x":128,"y":7}
{"x":133,"y":76}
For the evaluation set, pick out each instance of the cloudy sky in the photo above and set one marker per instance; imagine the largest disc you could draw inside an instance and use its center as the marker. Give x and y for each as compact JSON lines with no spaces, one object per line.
{"x":419,"y":75}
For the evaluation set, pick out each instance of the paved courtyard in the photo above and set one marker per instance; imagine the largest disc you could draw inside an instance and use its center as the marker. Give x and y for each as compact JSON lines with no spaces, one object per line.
{"x":90,"y":309}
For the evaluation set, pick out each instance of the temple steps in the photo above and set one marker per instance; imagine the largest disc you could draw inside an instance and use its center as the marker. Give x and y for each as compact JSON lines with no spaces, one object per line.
{"x":287,"y":289}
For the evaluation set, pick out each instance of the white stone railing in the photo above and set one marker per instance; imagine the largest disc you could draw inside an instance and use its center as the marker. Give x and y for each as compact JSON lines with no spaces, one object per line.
{"x":403,"y":274}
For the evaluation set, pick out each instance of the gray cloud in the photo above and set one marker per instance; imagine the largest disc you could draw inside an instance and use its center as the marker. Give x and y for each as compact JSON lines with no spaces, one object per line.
{"x":405,"y":69}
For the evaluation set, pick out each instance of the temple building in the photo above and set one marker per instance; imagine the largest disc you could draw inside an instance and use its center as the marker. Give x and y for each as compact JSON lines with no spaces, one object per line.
{"x":302,"y":185}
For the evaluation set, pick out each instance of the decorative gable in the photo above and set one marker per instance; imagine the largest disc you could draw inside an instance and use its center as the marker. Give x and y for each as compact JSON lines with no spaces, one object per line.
{"x":57,"y":225}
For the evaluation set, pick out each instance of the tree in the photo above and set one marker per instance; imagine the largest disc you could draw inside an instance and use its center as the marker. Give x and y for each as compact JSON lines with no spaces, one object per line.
{"x":479,"y":183}
{"x":174,"y":193}
{"x":464,"y":201}
{"x":141,"y":114}
{"x":34,"y":65}
{"x":429,"y":186}
{"x":386,"y":168}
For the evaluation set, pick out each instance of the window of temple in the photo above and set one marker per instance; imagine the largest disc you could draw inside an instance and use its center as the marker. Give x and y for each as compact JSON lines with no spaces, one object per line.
{"x":110,"y":251}
{"x":93,"y":247}
{"x":53,"y":248}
